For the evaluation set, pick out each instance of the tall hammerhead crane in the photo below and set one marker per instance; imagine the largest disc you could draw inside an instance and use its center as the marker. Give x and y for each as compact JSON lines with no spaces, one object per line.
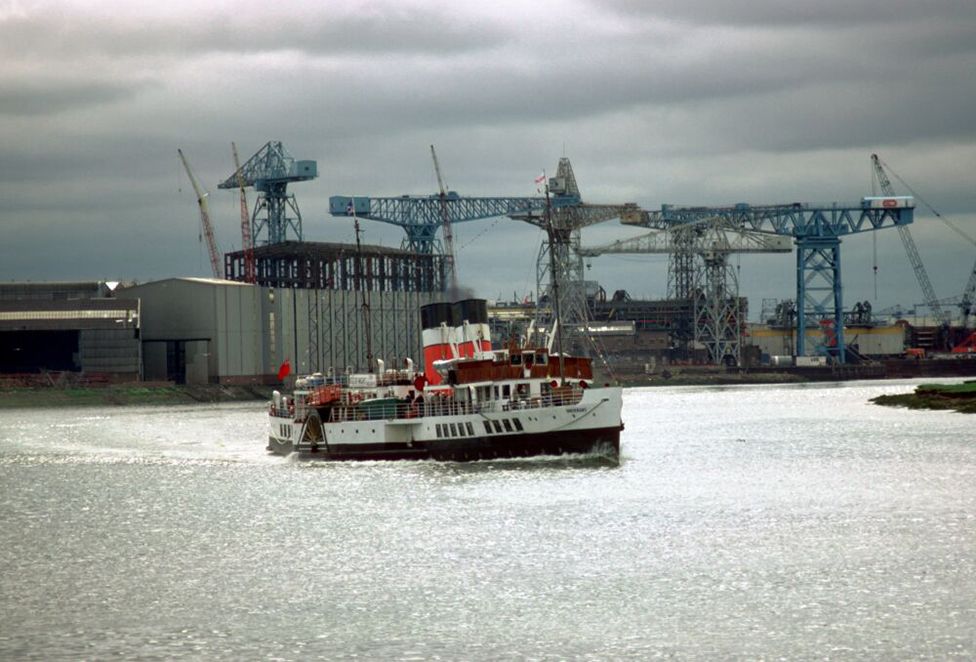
{"x":816,"y":231}
{"x":449,"y":264}
{"x":270,"y":171}
{"x":204,"y":218}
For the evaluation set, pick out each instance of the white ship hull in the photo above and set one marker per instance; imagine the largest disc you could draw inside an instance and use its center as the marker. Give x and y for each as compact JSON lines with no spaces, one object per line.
{"x":592,"y":424}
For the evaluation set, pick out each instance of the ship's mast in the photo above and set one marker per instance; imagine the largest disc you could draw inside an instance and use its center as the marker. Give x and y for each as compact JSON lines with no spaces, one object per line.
{"x":554,"y":294}
{"x":364,"y":291}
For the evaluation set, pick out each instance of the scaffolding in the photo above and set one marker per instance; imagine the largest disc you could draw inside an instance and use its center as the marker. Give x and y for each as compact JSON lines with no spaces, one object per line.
{"x":328,"y":266}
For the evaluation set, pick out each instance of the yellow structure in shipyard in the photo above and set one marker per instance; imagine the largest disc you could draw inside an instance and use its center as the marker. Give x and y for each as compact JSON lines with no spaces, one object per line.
{"x":871,"y":341}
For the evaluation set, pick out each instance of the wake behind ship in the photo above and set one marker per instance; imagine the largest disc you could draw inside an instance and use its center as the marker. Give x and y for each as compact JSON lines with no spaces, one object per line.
{"x":470,"y":402}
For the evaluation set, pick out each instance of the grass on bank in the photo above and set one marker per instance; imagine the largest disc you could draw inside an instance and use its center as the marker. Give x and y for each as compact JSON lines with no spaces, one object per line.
{"x":956,"y":397}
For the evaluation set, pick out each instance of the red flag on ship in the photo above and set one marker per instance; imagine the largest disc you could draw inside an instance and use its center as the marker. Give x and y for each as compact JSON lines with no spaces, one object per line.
{"x":284,"y":370}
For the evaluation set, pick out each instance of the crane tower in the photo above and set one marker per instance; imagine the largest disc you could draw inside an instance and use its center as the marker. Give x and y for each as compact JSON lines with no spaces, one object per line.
{"x":276,"y":212}
{"x":713,"y":285}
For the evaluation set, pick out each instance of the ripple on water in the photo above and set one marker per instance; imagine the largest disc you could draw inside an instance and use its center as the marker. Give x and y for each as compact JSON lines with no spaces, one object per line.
{"x":744,"y":522}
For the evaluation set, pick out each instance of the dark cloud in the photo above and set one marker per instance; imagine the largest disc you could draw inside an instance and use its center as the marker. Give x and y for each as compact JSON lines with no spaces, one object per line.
{"x":313,"y":32}
{"x":33,"y":97}
{"x":686,"y":103}
{"x":838,"y":14}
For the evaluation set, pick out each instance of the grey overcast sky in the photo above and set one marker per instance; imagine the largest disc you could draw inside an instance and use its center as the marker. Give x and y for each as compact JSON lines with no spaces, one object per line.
{"x":699,"y":102}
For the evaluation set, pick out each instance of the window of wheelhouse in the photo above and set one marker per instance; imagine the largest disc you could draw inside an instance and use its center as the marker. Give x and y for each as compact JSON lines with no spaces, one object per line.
{"x":506,"y":391}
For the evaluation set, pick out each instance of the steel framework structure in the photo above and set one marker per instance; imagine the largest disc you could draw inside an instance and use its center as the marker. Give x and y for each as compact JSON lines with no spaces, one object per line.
{"x":816,"y":231}
{"x":718,"y":315}
{"x":561,"y":213}
{"x":422,"y":216}
{"x":708,"y":282}
{"x":327,"y":266}
{"x":324,"y":329}
{"x":276,"y":212}
{"x":559,"y":265}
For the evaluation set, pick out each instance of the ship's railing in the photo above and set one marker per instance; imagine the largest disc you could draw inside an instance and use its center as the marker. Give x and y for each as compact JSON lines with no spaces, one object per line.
{"x":446,"y":406}
{"x":389,"y":377}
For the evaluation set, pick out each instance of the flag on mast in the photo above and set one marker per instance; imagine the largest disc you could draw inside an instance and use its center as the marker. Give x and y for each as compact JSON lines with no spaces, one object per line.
{"x":539,"y":181}
{"x":284,"y":370}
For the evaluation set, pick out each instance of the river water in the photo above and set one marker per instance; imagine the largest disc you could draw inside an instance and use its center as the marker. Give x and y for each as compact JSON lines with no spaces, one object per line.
{"x":754,"y":522}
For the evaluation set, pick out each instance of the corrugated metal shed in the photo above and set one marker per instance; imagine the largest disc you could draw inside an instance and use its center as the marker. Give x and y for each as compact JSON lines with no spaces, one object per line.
{"x":209,"y":330}
{"x":73,"y":327}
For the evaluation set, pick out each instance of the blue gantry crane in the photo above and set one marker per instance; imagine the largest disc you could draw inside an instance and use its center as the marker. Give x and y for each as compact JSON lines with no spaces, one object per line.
{"x":270,"y":171}
{"x":562,"y":212}
{"x":816,"y":231}
{"x":712,"y":287}
{"x":422,"y":216}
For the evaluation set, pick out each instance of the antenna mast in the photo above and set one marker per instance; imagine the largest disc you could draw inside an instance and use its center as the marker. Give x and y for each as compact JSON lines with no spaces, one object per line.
{"x":364,"y":291}
{"x":555,"y":288}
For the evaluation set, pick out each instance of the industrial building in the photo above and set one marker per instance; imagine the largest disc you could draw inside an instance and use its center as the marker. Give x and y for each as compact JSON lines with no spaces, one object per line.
{"x":314,"y":308}
{"x":202,"y":330}
{"x":325,"y":306}
{"x":75,"y":328}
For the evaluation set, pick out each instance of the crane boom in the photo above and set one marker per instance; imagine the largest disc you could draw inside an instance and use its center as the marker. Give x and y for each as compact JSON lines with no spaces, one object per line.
{"x":446,"y":225}
{"x":247,"y":243}
{"x":716,"y":239}
{"x":968,"y":294}
{"x":921,"y":275}
{"x":204,"y":217}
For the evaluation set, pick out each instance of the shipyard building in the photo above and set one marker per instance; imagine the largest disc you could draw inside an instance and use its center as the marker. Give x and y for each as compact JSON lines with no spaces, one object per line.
{"x":312,"y":308}
{"x":69,"y":328}
{"x":216,"y":331}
